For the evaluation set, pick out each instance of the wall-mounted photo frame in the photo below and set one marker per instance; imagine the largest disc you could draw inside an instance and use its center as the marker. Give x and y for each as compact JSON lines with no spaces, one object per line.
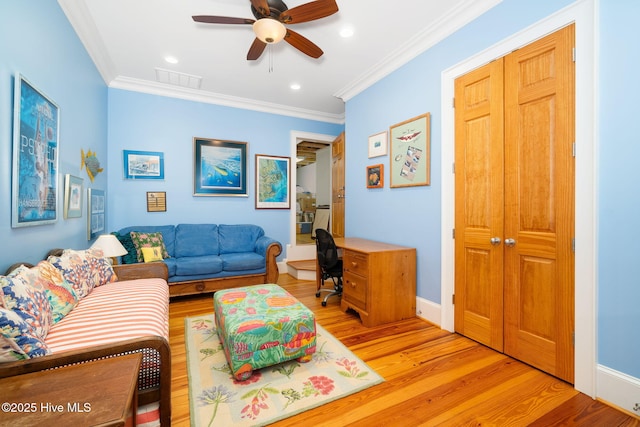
{"x":72,"y":196}
{"x":143,"y":164}
{"x":378,"y":144}
{"x":219,"y":167}
{"x":96,"y":212}
{"x":375,"y":176}
{"x":156,"y":201}
{"x":36,"y":123}
{"x":410,"y":152}
{"x":273,"y":182}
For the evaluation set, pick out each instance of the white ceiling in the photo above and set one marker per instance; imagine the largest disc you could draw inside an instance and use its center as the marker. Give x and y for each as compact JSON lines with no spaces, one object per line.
{"x":128,"y":40}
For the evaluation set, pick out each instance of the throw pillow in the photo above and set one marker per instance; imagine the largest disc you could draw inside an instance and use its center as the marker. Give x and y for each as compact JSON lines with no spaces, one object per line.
{"x":125,"y":239}
{"x":17,"y":338}
{"x":22,"y":292}
{"x":148,"y":240}
{"x":75,"y":269}
{"x":60,"y":293}
{"x":101,"y":269}
{"x":152,"y":254}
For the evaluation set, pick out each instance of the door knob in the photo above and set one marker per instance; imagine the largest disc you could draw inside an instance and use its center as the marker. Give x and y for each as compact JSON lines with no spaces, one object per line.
{"x":510,"y":242}
{"x":495,"y":241}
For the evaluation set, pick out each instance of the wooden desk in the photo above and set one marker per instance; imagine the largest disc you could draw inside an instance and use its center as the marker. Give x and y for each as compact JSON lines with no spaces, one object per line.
{"x":103,"y":392}
{"x":379,"y":280}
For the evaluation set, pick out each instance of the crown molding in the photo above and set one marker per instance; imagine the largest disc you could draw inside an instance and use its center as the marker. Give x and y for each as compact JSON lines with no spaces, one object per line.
{"x":84,"y":26}
{"x":427,"y":38}
{"x":161,"y":89}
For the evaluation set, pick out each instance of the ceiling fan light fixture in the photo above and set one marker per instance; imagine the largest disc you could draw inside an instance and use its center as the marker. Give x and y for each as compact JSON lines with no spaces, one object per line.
{"x":269,"y":30}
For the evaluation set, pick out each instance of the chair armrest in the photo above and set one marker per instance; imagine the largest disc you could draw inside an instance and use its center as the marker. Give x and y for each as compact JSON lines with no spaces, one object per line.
{"x":144,"y":270}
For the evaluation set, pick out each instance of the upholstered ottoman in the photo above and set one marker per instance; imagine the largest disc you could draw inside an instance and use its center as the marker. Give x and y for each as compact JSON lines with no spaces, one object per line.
{"x":263,"y":325}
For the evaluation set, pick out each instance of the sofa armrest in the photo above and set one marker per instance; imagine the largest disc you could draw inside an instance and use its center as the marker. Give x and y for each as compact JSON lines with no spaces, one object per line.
{"x":270,"y":249}
{"x":157,"y":345}
{"x":141,"y":271}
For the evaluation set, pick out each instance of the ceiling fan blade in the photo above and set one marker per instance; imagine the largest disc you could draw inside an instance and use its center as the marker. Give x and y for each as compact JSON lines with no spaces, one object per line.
{"x":256,"y":49}
{"x":207,"y":19}
{"x":309,"y":12}
{"x":261,"y":6}
{"x":303,"y":44}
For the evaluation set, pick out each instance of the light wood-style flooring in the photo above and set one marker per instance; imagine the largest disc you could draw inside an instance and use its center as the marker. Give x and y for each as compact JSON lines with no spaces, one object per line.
{"x":433,"y":377}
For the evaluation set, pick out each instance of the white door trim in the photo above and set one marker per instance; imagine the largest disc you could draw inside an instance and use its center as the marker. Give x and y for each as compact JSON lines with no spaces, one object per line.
{"x":583,"y":14}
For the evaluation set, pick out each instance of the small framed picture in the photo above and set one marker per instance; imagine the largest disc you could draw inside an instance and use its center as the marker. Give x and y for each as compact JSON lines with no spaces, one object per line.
{"x":143,"y":165}
{"x":72,"y":196}
{"x":378,"y":144}
{"x":375,"y":176}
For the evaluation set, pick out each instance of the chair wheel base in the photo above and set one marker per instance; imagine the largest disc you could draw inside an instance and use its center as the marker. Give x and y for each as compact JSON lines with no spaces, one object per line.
{"x":324,"y":303}
{"x":317,"y":294}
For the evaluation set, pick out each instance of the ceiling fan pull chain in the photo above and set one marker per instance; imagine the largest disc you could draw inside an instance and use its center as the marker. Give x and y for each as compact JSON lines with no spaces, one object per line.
{"x":270,"y":58}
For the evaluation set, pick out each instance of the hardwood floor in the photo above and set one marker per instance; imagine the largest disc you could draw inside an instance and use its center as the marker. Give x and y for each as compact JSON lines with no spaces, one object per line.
{"x":432,"y":377}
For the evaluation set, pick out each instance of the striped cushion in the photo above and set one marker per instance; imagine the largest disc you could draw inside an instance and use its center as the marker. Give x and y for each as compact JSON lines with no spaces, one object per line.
{"x":114,"y":312}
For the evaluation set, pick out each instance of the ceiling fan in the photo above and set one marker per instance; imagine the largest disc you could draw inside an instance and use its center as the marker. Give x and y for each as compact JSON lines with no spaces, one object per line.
{"x":269,"y":25}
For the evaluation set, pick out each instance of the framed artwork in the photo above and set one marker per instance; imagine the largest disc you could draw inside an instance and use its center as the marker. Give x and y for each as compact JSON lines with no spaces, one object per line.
{"x":375,"y":176}
{"x":72,"y":196}
{"x":273,"y":182}
{"x":34,"y":191}
{"x":143,"y":164}
{"x":95,"y":213}
{"x":219,"y":168}
{"x":156,"y":201}
{"x":378,"y":144}
{"x":410,"y":152}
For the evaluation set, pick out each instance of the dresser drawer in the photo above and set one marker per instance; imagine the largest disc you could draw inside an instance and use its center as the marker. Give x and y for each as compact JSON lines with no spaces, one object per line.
{"x":355,"y":262}
{"x":355,"y":290}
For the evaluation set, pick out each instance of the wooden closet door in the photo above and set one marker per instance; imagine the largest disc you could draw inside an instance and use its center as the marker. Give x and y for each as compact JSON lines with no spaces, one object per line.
{"x":539,"y":204}
{"x":479,"y":214}
{"x":337,"y":186}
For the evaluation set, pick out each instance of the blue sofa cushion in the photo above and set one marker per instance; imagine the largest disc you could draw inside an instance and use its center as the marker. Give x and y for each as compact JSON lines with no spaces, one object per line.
{"x":242,"y":261}
{"x":238,"y":238}
{"x":191,"y":266}
{"x":196,"y":240}
{"x":168,"y":234}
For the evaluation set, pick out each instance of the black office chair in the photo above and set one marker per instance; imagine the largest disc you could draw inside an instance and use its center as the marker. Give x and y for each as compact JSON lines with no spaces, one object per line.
{"x":329,"y":262}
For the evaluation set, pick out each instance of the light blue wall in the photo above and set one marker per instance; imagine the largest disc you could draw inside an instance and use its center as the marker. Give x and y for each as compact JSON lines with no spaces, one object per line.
{"x":153,"y":123}
{"x":37,"y":41}
{"x":619,"y":197}
{"x":411,"y":216}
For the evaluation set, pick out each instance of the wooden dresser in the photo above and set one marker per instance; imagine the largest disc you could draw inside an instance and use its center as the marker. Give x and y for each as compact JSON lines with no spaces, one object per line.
{"x":379,"y":280}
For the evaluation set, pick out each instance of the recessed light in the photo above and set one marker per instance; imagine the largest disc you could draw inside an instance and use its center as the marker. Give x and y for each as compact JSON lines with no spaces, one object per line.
{"x":295,"y":86}
{"x":346,"y":32}
{"x":171,"y":59}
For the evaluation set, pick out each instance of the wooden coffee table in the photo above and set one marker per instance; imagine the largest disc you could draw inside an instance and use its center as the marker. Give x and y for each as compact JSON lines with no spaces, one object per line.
{"x":102,"y":392}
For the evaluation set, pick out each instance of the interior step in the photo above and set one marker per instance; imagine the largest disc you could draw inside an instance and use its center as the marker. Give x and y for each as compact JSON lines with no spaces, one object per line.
{"x":304,"y":269}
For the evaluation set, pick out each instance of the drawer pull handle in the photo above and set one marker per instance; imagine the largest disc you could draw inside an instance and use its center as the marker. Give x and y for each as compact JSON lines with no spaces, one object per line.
{"x":354,"y":264}
{"x":353,"y":284}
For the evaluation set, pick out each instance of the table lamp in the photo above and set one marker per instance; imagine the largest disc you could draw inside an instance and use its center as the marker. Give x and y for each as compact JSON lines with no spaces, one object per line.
{"x":110,"y":247}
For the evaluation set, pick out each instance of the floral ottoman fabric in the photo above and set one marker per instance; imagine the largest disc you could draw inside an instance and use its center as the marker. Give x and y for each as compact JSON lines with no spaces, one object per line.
{"x":263,"y":325}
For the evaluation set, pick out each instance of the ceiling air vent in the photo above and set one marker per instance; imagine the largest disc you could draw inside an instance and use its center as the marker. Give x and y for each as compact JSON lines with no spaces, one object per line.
{"x":178,"y":79}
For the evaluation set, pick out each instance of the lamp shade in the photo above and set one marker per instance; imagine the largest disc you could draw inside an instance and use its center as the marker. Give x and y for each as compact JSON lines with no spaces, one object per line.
{"x":109,"y":245}
{"x":269,"y":30}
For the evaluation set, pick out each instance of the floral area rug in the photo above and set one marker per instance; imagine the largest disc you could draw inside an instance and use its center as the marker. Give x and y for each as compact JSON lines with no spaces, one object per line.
{"x":272,"y":393}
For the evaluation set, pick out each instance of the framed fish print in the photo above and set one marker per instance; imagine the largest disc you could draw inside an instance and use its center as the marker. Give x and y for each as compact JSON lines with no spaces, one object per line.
{"x":219,"y":168}
{"x":34,"y":192}
{"x":410,"y":152}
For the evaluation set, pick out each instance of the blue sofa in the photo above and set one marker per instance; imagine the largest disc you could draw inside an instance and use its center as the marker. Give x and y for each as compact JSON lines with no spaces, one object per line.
{"x":210,"y":257}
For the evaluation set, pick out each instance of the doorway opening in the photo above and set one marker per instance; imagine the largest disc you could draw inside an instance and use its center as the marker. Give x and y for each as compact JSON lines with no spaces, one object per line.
{"x":304,"y":250}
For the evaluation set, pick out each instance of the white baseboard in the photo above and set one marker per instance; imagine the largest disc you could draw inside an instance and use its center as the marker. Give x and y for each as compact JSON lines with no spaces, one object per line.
{"x":618,"y":389}
{"x":428,"y":310}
